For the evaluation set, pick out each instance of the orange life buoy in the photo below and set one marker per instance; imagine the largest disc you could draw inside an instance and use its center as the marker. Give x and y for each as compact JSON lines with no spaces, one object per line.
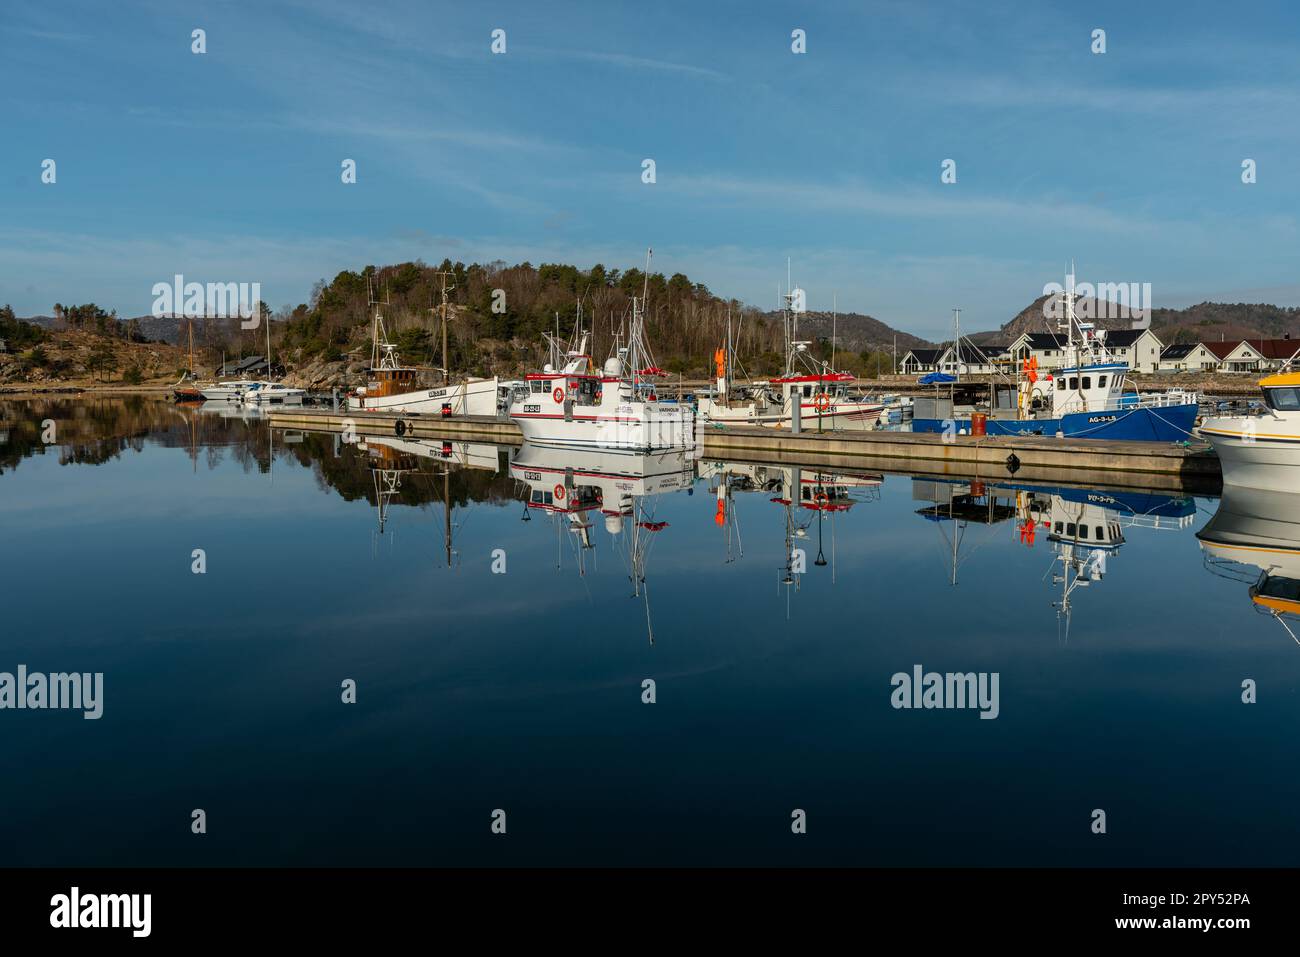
{"x":822,"y":497}
{"x":558,"y":394}
{"x":559,"y":493}
{"x":823,"y":402}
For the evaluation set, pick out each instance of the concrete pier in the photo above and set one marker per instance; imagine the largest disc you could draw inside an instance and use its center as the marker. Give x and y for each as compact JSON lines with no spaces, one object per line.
{"x":1152,"y":465}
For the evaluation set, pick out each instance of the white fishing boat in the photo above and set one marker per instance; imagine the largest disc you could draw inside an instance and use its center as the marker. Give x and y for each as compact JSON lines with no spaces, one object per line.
{"x":576,"y":407}
{"x":1262,"y":451}
{"x":395,"y":388}
{"x":824,"y":397}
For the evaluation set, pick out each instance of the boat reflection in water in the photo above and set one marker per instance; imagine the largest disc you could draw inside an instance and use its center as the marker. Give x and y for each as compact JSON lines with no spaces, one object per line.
{"x":574,"y":486}
{"x":391,"y":460}
{"x":803,"y":495}
{"x":1083,"y":527}
{"x":1254,"y":538}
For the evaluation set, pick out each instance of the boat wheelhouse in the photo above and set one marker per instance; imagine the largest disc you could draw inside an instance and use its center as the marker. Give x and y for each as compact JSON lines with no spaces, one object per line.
{"x":1262,"y":451}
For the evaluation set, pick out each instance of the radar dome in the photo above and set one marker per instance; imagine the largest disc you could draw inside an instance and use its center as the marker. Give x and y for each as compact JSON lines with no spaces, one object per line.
{"x":613,"y":366}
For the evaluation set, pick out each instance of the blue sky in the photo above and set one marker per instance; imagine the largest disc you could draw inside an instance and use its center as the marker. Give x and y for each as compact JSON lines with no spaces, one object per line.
{"x":226,"y":166}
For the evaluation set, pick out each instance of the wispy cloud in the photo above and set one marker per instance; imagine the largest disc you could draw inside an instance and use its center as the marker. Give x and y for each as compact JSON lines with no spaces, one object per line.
{"x":639,"y":63}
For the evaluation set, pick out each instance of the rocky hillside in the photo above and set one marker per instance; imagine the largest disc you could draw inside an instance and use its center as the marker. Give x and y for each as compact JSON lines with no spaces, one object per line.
{"x":84,"y":358}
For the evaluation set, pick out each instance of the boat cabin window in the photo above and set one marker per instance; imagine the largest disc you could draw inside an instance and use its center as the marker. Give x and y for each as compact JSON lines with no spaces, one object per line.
{"x":585,"y":391}
{"x":1083,"y":531}
{"x":1087,"y":382}
{"x":538,"y":385}
{"x":807,"y":391}
{"x":1100,"y":530}
{"x":1069,"y":529}
{"x":1101,"y":382}
{"x":1283,"y":400}
{"x":1059,"y":528}
{"x":1074,"y":382}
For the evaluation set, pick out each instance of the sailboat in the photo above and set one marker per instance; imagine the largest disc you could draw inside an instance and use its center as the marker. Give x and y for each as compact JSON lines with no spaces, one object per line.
{"x":270,"y":393}
{"x":575,"y":407}
{"x":823,"y":396}
{"x":394,"y":388}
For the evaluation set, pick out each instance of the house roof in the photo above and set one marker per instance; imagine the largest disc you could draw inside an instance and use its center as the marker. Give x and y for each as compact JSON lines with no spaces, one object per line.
{"x":1179,"y":350}
{"x":1045,"y":340}
{"x":1123,"y":338}
{"x":927,"y":356}
{"x":1221,"y":349}
{"x":1274,"y":348}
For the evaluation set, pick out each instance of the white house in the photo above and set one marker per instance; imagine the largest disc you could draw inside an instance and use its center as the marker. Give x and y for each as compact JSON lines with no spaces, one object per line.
{"x":974,"y":359}
{"x":1045,"y":347}
{"x":916,"y":361}
{"x":1140,"y":349}
{"x":1260,"y":355}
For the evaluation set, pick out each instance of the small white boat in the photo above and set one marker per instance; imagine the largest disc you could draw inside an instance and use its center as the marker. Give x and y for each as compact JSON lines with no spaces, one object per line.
{"x":264,"y":394}
{"x":228,"y":391}
{"x":1262,"y":451}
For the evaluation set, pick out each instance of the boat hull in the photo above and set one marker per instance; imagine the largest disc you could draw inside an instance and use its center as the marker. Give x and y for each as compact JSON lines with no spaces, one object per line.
{"x":1256,"y":453}
{"x":641,"y":427}
{"x":847,"y":417}
{"x":478,"y":397}
{"x":1170,"y":423}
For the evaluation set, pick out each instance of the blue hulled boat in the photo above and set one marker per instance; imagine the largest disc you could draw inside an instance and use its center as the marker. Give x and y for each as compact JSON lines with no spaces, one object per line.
{"x":1085,"y":399}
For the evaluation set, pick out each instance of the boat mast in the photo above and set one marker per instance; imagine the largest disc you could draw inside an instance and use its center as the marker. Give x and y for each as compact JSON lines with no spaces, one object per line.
{"x":446,"y":368}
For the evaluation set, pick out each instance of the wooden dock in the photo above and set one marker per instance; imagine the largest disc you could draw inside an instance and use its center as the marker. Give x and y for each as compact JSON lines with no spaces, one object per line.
{"x":1151,"y":465}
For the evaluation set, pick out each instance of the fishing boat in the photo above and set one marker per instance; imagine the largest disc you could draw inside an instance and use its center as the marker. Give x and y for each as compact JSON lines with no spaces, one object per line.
{"x":576,"y":407}
{"x":394,"y":387}
{"x":1262,"y":451}
{"x":820,"y":394}
{"x":1254,"y":538}
{"x":1085,"y":398}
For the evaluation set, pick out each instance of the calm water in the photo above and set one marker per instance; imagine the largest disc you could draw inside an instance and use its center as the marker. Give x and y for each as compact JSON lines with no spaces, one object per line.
{"x":523,"y":690}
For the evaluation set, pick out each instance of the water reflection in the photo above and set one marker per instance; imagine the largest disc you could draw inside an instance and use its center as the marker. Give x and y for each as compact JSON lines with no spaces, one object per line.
{"x":484,"y":691}
{"x":1084,"y":528}
{"x":1254,"y":538}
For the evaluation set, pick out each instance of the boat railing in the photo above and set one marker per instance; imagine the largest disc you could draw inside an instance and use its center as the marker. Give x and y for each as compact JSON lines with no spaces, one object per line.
{"x":1127,"y":402}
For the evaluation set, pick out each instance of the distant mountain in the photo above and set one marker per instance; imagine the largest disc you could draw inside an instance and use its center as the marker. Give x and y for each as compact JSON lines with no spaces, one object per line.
{"x":1209,"y":321}
{"x":854,"y":332}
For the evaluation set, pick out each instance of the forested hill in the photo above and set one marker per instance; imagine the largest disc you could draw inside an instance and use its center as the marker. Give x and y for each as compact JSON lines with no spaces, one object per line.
{"x":501,"y":331}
